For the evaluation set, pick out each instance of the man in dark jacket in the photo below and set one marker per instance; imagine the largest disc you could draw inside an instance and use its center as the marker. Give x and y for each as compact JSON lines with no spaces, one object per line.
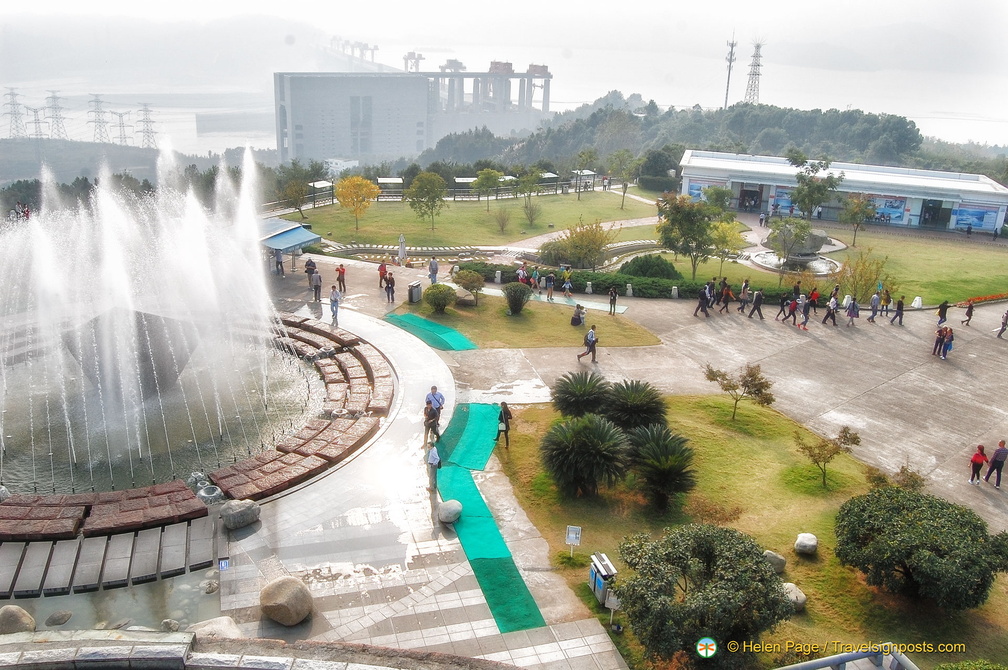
{"x":757,"y":302}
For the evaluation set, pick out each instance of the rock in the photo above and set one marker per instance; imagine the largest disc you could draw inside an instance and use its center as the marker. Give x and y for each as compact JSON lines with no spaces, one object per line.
{"x":58,"y":618}
{"x":449,"y":511}
{"x":286,"y":600}
{"x":4,"y":493}
{"x":14,"y":619}
{"x":239,"y":513}
{"x":121,"y":623}
{"x":807,"y":544}
{"x":169,"y":626}
{"x":212,"y":586}
{"x":218,"y":628}
{"x":776,"y":561}
{"x":796,"y":596}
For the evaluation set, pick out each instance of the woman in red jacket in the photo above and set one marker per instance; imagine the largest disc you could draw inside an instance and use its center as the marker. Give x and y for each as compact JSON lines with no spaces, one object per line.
{"x":976,"y":463}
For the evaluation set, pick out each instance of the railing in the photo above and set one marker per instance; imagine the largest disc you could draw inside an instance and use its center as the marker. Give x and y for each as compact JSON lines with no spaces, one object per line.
{"x":876,"y":653}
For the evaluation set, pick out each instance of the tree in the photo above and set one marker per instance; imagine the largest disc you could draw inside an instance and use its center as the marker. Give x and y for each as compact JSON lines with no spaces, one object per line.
{"x":292,"y":180}
{"x":633,"y":403}
{"x":684,"y":227}
{"x":582,"y":452}
{"x":812,"y":190}
{"x":579,"y":393}
{"x":502,"y":216}
{"x":857,"y":208}
{"x":426,"y":196}
{"x":825,"y":449}
{"x":471,"y":281}
{"x":860,"y":275}
{"x":582,"y":245}
{"x":718,"y":197}
{"x":356,"y":194}
{"x":920,"y":546}
{"x":726,"y":240}
{"x":663,"y":462}
{"x":748,"y":383}
{"x":785,"y":236}
{"x":532,"y":211}
{"x":487,"y":181}
{"x":516,"y":294}
{"x":440,"y":297}
{"x":650,"y":265}
{"x":296,"y":193}
{"x":585,"y":159}
{"x":699,"y":581}
{"x":621,"y":166}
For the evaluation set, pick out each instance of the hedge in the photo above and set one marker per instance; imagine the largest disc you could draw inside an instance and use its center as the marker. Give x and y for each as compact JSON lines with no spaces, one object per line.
{"x":650,"y":183}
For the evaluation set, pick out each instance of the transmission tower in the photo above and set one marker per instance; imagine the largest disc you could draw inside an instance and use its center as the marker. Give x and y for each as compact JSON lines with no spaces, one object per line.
{"x":121,"y":125}
{"x":752,"y":88}
{"x":730,"y":58}
{"x":17,"y":126}
{"x":37,"y":122}
{"x":101,"y":135}
{"x":148,"y":140}
{"x":57,"y":130}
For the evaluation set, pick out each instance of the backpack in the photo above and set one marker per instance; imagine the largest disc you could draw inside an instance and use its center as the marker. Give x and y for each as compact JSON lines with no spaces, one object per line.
{"x":586,"y":339}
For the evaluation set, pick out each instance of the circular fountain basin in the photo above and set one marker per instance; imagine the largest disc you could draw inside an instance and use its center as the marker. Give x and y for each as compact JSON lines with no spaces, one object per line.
{"x":816,"y":264}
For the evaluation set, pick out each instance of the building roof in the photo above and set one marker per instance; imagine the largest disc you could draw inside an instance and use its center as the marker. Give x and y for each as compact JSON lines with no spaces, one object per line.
{"x":285,"y":235}
{"x":871,"y":179}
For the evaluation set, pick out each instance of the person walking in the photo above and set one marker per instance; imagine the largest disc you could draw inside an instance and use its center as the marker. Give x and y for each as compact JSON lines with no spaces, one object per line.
{"x":504,"y":424}
{"x":278,"y":259}
{"x":785,"y":300}
{"x":969,"y":314}
{"x":805,"y":307}
{"x":390,"y":287}
{"x":814,"y":300}
{"x":976,"y":463}
{"x":898,"y":314}
{"x":567,"y":287}
{"x":743,"y":297}
{"x":316,"y":284}
{"x":886,"y":301}
{"x":1004,"y":324}
{"x":943,"y":312}
{"x":726,"y":297}
{"x":591,"y":342}
{"x":853,"y":312}
{"x":536,"y":283}
{"x":431,"y":417}
{"x":757,"y":304}
{"x":334,"y":300}
{"x":432,"y":270}
{"x":997,"y":461}
{"x":433,"y":465}
{"x":947,"y":346}
{"x":309,"y":268}
{"x":550,"y":280}
{"x":613,"y":294}
{"x":939,"y":342}
{"x":831,"y":308}
{"x":382,"y":271}
{"x":341,"y":278}
{"x":702,"y":301}
{"x":792,"y":311}
{"x":876,"y":302}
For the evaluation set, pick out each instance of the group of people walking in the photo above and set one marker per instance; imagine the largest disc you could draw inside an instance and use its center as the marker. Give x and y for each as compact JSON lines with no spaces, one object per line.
{"x":995,"y":463}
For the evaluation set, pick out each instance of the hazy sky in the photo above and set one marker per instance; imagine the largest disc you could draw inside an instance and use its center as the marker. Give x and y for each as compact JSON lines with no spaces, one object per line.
{"x":942,"y":64}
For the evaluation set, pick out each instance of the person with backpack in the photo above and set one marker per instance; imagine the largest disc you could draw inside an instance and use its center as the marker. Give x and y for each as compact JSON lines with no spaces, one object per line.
{"x":792,"y":312}
{"x":590,"y":342}
{"x":757,"y":304}
{"x":784,"y":302}
{"x":853,"y":312}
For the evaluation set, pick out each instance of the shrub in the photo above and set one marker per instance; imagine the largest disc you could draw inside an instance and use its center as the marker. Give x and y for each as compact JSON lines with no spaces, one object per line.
{"x":471,"y":281}
{"x":651,"y":183}
{"x":651,"y":265}
{"x":516,"y":294}
{"x":633,"y":404}
{"x":440,"y":297}
{"x":579,"y":393}
{"x":581,"y":452}
{"x":663,"y":461}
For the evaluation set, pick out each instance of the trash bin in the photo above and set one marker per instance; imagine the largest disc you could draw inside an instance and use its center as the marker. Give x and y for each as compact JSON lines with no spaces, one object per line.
{"x":600,"y":574}
{"x":414,"y":292}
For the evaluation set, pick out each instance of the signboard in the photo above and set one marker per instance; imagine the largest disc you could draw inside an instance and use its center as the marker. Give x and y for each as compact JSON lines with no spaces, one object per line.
{"x":573,"y":535}
{"x":981,"y":217}
{"x":888,"y":208}
{"x":696,"y":187}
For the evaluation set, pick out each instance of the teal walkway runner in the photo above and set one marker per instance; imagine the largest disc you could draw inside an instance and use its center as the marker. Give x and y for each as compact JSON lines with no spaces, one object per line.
{"x":434,"y":334}
{"x":466,"y":445}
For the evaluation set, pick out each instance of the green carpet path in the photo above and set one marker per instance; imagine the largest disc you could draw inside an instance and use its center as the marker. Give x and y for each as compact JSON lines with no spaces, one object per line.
{"x":465,"y":445}
{"x":433,"y":334}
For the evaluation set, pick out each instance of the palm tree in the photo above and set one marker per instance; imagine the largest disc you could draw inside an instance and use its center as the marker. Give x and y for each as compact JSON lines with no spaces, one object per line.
{"x":578,"y":393}
{"x":663,"y":461}
{"x":634,"y":403}
{"x":581,"y":452}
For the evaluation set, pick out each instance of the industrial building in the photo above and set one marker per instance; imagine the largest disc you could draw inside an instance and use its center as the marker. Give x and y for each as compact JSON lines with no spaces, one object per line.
{"x":902,"y":196}
{"x":383,"y":116}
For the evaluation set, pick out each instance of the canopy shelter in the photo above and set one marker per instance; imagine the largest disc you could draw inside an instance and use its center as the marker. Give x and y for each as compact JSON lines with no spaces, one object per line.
{"x":285,"y":236}
{"x":321,"y":191}
{"x":391,"y":188}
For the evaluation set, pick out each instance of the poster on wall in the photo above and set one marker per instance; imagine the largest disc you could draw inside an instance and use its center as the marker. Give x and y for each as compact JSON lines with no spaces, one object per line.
{"x":696,"y":186}
{"x":889,"y":208}
{"x":981,"y":217}
{"x":782,"y":198}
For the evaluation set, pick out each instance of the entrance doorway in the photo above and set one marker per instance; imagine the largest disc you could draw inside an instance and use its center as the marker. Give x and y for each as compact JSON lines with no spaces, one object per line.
{"x":933,"y":215}
{"x":751,"y":199}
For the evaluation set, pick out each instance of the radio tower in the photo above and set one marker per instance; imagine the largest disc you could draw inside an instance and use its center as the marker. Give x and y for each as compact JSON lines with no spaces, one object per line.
{"x":100,"y":124}
{"x":730,"y":58}
{"x":37,"y":122}
{"x":148,"y":140}
{"x":123,"y":139}
{"x":56,"y":129}
{"x":17,"y":126}
{"x":752,"y":88}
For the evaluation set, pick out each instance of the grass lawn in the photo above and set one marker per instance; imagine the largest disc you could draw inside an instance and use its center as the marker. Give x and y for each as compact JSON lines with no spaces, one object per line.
{"x":489,"y":326}
{"x":752,"y":463}
{"x":468,"y":222}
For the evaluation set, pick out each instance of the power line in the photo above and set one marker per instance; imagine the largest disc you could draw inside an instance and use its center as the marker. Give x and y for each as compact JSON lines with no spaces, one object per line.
{"x":730,"y":58}
{"x":148,"y":139}
{"x":57,"y":130}
{"x":17,"y":126}
{"x":101,"y":135}
{"x":752,"y":88}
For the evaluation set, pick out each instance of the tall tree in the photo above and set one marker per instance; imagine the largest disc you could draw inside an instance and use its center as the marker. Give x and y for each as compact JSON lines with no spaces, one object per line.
{"x":727,"y":241}
{"x":487,"y":181}
{"x":426,"y":196}
{"x":356,"y":194}
{"x":621,"y":166}
{"x":786,"y":235}
{"x":813,"y":190}
{"x":857,"y":208}
{"x":684,"y":227}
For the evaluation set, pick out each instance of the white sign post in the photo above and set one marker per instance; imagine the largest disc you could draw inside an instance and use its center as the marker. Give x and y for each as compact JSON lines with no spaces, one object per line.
{"x":573,"y":538}
{"x":613,"y":604}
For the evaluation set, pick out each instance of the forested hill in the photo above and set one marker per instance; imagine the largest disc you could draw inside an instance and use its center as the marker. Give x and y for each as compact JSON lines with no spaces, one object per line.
{"x":615,"y":124}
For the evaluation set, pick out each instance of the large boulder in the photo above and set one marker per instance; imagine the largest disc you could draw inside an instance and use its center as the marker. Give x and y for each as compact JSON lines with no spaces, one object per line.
{"x":449,"y":511}
{"x":796,"y":596}
{"x":807,"y":544}
{"x":286,"y":600}
{"x":239,"y":513}
{"x":776,"y":561}
{"x":218,"y":628}
{"x":14,"y":619}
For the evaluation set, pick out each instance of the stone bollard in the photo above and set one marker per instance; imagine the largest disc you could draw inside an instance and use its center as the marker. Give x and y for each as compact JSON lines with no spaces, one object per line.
{"x":629,"y":290}
{"x":497,"y":277}
{"x":588,"y":288}
{"x":917,"y":303}
{"x":675,"y":292}
{"x":846,"y":301}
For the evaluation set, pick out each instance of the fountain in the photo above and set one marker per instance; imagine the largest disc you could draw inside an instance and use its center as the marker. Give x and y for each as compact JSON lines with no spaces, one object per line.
{"x":135,"y":343}
{"x":804,"y":257}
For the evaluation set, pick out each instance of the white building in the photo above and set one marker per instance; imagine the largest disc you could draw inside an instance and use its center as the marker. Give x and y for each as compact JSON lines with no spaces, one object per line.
{"x":902,"y":196}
